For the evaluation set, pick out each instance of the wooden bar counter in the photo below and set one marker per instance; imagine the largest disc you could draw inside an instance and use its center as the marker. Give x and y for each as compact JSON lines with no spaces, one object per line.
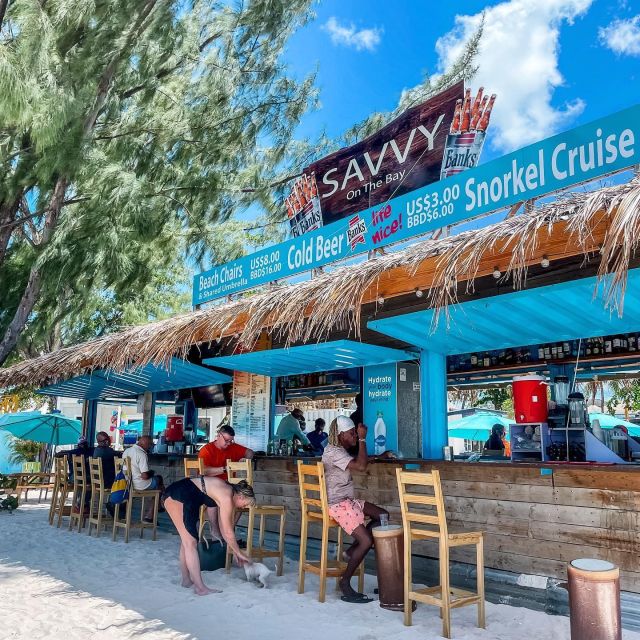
{"x":536,"y":517}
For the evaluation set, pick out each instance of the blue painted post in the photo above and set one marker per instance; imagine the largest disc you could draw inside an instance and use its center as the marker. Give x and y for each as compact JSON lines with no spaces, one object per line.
{"x":433,"y":403}
{"x":272,"y":409}
{"x":90,"y":415}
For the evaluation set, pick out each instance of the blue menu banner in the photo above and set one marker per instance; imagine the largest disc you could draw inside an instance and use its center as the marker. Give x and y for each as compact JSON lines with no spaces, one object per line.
{"x":566,"y":159}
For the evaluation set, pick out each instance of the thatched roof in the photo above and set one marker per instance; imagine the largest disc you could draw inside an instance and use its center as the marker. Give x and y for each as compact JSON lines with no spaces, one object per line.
{"x":606,"y":220}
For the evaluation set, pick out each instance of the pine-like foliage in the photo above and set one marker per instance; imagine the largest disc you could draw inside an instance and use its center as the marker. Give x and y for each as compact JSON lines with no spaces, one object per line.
{"x":127,"y":131}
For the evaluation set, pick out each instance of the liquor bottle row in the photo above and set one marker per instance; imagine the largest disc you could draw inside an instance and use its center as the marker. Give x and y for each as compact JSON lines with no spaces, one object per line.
{"x":565,"y":350}
{"x":312,"y":380}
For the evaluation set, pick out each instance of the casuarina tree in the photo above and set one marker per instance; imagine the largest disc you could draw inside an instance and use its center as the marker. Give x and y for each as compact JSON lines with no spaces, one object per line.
{"x":124,"y":125}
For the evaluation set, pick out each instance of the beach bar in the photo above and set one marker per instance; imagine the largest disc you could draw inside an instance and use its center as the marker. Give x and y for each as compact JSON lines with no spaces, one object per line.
{"x":550,"y":289}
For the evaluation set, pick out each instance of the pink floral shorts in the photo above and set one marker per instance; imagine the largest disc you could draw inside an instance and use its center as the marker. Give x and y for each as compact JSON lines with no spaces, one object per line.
{"x":349,"y":514}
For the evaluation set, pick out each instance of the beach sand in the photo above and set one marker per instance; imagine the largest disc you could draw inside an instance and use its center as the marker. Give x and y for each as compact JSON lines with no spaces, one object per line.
{"x":56,"y":584}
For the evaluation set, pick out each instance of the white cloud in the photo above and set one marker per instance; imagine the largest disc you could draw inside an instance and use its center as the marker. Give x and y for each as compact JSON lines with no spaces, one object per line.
{"x":349,"y":36}
{"x":518,"y":60}
{"x":622,"y":36}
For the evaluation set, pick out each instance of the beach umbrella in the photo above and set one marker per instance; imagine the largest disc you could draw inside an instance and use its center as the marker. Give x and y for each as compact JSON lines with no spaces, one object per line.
{"x":49,"y":428}
{"x":477,"y":426}
{"x":609,"y":422}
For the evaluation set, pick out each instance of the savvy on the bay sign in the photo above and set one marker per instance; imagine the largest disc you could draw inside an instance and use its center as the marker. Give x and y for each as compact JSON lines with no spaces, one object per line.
{"x":575,"y":156}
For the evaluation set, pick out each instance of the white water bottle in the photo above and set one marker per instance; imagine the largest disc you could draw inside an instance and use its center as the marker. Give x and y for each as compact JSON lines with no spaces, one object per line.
{"x":380,"y":433}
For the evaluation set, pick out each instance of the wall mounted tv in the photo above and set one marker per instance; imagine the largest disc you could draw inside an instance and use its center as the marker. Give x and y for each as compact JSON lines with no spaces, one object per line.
{"x":215,"y":395}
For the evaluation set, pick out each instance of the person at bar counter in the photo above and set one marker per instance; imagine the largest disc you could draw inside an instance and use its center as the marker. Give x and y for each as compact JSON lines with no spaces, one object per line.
{"x":289,"y":427}
{"x":495,"y":441}
{"x":318,"y":438}
{"x":344,"y":508}
{"x":142,"y":477}
{"x":214,"y":457}
{"x":81,"y":449}
{"x":107,"y":454}
{"x":183,"y":499}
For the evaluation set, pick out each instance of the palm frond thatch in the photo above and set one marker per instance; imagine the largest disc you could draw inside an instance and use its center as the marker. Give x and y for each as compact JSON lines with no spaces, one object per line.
{"x":333,"y":300}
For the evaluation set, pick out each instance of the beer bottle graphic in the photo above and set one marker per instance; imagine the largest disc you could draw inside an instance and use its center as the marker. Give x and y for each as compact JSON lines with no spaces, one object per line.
{"x":380,"y":433}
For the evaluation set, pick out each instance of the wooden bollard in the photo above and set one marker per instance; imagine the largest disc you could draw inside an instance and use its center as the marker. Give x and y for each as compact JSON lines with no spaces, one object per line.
{"x":594,"y":600}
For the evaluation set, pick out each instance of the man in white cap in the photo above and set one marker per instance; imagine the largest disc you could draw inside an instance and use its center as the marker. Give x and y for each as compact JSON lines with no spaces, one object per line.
{"x":344,"y":508}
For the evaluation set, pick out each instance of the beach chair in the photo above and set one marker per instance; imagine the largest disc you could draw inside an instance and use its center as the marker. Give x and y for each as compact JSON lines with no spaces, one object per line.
{"x":193,"y":469}
{"x":315,"y":509}
{"x":424,"y":518}
{"x":127,"y":524}
{"x":80,"y":488}
{"x":61,"y":490}
{"x":99,"y":498}
{"x":243,"y":470}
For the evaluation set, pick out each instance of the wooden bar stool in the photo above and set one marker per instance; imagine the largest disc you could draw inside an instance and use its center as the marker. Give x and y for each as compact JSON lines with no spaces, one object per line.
{"x":424,"y":518}
{"x":80,"y":487}
{"x":61,"y":490}
{"x":147,"y":494}
{"x":193,"y":469}
{"x":99,"y":497}
{"x":243,"y":470}
{"x":315,"y":509}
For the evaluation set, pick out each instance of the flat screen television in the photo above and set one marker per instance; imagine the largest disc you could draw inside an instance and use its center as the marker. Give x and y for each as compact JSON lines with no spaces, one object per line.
{"x":215,"y":395}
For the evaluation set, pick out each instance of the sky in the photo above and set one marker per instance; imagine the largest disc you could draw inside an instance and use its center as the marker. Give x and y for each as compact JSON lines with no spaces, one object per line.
{"x":554,"y":64}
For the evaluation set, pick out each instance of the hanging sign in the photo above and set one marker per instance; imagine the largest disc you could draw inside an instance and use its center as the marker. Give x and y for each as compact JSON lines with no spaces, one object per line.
{"x":566,"y":159}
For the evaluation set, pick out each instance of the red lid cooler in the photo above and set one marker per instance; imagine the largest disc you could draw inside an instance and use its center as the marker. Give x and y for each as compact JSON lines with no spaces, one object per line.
{"x":530,"y":398}
{"x":175,"y":428}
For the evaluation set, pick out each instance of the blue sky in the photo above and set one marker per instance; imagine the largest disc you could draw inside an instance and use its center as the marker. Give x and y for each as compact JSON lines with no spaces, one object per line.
{"x":553,"y":63}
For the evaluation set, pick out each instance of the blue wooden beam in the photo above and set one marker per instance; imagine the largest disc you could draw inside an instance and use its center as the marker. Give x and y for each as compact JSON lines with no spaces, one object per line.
{"x":433,"y":404}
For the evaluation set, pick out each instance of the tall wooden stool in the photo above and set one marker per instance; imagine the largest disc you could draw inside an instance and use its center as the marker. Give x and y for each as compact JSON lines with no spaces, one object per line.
{"x":193,"y":469}
{"x":99,"y":497}
{"x":243,"y":470}
{"x":424,"y":518}
{"x":147,"y":494}
{"x":315,"y":509}
{"x":61,"y":490}
{"x":80,"y":487}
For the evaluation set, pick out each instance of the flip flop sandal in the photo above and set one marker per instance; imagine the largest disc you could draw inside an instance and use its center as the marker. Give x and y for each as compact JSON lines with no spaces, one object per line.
{"x":357,"y":598}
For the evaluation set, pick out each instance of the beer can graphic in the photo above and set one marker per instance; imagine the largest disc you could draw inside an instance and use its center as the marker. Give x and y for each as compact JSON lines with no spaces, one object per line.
{"x":303,"y":206}
{"x":467,"y":133}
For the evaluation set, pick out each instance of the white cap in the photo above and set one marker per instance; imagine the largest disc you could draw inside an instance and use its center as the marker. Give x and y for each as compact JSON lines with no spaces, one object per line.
{"x":344,"y":423}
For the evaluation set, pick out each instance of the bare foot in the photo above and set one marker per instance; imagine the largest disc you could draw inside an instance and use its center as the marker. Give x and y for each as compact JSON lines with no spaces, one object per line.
{"x":205,"y":591}
{"x":346,"y":588}
{"x":187,"y":582}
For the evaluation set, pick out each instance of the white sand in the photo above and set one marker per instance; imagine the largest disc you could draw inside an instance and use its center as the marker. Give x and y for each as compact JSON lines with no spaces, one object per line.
{"x":58,"y":584}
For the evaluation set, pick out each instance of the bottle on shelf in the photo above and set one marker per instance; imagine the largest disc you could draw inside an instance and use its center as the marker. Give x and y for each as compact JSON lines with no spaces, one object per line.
{"x":608,"y":345}
{"x":541,"y":352}
{"x":633,"y":342}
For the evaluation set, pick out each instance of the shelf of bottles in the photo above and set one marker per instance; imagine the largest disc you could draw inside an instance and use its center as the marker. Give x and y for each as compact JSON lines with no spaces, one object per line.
{"x":588,"y":348}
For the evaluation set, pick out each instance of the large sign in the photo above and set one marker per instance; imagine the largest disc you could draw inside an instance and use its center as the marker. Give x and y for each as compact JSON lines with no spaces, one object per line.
{"x":566,"y":159}
{"x":379,"y":405}
{"x":402,"y":156}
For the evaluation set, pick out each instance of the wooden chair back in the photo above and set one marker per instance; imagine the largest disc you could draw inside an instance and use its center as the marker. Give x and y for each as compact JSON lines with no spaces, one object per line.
{"x":313,"y":490}
{"x":422,"y":504}
{"x":96,"y":476}
{"x":193,"y":468}
{"x":237,"y":471}
{"x":79,"y":471}
{"x":60,"y":469}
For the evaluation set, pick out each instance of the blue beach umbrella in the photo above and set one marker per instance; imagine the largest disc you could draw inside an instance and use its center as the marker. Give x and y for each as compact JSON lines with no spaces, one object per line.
{"x":609,"y":422}
{"x":49,"y":428}
{"x":477,"y":426}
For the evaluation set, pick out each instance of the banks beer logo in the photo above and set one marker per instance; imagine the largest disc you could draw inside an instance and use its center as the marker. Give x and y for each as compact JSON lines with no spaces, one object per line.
{"x":466,"y":134}
{"x":355,"y":232}
{"x":303,"y":206}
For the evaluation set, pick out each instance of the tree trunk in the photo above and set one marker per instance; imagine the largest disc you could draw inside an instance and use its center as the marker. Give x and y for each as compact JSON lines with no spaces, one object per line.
{"x":8,"y":212}
{"x":34,"y":284}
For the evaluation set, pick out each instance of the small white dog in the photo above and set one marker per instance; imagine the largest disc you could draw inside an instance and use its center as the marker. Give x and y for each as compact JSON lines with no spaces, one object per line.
{"x":258,"y":572}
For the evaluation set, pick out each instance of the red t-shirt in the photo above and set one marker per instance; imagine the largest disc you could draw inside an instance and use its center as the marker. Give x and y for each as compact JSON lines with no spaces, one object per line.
{"x":212,"y":456}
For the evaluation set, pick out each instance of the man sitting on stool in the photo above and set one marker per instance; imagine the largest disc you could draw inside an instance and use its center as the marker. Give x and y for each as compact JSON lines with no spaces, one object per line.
{"x":143,"y":478}
{"x":348,"y":512}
